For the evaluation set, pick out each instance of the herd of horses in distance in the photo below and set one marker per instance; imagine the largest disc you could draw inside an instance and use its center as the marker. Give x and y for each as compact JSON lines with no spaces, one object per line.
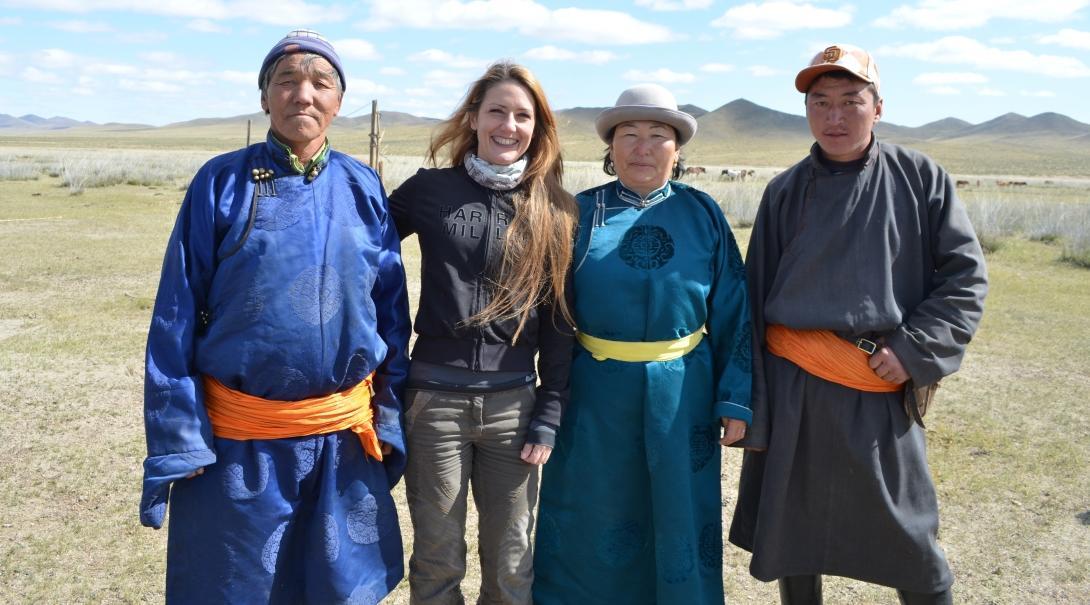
{"x":743,"y":174}
{"x":727,"y":173}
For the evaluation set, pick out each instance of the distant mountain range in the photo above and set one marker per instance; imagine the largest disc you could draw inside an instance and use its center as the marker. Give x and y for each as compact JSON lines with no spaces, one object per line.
{"x":740,"y":133}
{"x":739,"y":117}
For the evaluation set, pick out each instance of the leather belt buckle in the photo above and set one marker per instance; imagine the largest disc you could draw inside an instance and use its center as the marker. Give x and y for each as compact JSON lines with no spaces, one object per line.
{"x":867,"y":346}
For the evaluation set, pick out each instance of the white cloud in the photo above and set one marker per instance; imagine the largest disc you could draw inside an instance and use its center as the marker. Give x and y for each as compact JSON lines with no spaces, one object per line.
{"x":957,"y":50}
{"x":238,"y":77}
{"x":354,"y":48}
{"x":10,"y":21}
{"x":716,"y":68}
{"x":141,"y":37}
{"x":160,"y":56}
{"x":155,"y":86}
{"x":183,"y":8}
{"x":420,"y":92}
{"x":434,"y":55}
{"x":990,"y":92}
{"x":964,"y":14}
{"x":948,"y":77}
{"x":662,"y":75}
{"x":110,"y":69}
{"x":1008,"y":40}
{"x":6,"y":61}
{"x":1071,"y":38}
{"x":763,"y":71}
{"x":1037,"y":93}
{"x":86,"y":87}
{"x":364,"y":87}
{"x":81,"y":27}
{"x":552,"y":53}
{"x":184,"y":76}
{"x":523,"y":16}
{"x":944,"y":90}
{"x":272,"y":12}
{"x":391,"y":71}
{"x":430,"y":108}
{"x":598,"y":27}
{"x":674,"y":5}
{"x":771,"y":19}
{"x":37,"y":76}
{"x":55,"y":58}
{"x":441,"y":78}
{"x":206,"y":26}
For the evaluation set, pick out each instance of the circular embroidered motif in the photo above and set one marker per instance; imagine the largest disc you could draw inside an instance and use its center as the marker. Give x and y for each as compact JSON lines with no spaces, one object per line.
{"x":646,"y":247}
{"x":363,"y":521}
{"x":734,"y":256}
{"x":234,"y":479}
{"x":703,"y":445}
{"x":364,"y":595}
{"x":711,"y":546}
{"x":674,"y":556}
{"x":276,"y":214}
{"x":304,"y":458}
{"x":742,"y":355}
{"x":271,"y":551}
{"x":330,"y":539}
{"x":620,"y":542}
{"x":316,"y":294}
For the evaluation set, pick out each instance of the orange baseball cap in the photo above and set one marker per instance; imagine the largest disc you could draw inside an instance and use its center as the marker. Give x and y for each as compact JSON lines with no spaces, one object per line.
{"x":839,"y":57}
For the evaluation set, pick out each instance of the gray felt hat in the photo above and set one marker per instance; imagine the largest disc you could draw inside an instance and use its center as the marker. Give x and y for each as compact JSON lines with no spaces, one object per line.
{"x":646,"y":102}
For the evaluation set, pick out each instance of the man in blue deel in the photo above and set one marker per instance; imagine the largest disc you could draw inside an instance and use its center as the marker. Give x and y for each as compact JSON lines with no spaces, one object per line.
{"x":275,"y":363}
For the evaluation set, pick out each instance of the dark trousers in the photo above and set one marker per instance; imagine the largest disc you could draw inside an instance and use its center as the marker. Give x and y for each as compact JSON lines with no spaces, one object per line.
{"x":460,"y":443}
{"x":806,"y":590}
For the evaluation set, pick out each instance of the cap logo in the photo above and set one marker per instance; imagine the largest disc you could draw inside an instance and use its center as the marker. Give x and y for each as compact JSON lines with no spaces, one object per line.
{"x":832,"y":54}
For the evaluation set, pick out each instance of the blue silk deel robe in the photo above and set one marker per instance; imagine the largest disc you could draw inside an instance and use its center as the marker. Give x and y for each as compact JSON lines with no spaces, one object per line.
{"x":286,"y":288}
{"x":630,"y":499}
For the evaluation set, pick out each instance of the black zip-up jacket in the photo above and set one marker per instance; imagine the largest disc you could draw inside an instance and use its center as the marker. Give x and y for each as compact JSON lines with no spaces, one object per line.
{"x":460,"y":226}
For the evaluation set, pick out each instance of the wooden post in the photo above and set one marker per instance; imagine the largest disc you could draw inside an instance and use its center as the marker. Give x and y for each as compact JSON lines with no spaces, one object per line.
{"x":374,"y":154}
{"x":247,"y":133}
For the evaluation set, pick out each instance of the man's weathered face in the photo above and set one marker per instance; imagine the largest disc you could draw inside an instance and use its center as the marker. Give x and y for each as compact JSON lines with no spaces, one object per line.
{"x":842,"y":113}
{"x":302,"y":99}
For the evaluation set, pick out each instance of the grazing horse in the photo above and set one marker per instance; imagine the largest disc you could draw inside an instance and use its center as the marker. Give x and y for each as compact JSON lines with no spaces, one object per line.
{"x":696,"y":170}
{"x":739,"y":175}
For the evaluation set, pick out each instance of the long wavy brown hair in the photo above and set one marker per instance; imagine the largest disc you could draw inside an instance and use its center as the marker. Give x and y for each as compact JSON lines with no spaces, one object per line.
{"x":538,"y":247}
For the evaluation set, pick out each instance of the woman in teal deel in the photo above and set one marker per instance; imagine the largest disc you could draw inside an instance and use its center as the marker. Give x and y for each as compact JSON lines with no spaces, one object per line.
{"x":630,"y":501}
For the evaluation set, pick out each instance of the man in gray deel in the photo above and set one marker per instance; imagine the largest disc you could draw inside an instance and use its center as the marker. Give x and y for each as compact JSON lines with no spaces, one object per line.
{"x":866,"y":282}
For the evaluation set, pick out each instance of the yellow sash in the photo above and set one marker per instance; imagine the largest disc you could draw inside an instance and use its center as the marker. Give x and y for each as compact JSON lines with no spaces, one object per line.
{"x":659,"y":350}
{"x":241,"y":416}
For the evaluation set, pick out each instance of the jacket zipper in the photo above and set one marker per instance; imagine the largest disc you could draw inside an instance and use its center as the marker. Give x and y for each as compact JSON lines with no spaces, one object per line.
{"x":487,"y":243}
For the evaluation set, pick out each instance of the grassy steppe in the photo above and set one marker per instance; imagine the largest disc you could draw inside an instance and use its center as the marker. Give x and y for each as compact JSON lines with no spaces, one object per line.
{"x":1009,"y":438}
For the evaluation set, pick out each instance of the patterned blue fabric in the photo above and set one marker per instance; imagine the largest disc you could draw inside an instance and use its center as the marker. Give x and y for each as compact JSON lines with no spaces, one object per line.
{"x":630,"y":499}
{"x":300,"y":295}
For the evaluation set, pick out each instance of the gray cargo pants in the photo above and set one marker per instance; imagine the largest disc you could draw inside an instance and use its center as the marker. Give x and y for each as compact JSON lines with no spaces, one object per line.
{"x":455,"y":439}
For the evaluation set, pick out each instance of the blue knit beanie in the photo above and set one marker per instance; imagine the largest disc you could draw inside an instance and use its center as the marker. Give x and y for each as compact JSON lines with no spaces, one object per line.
{"x":297,"y":41}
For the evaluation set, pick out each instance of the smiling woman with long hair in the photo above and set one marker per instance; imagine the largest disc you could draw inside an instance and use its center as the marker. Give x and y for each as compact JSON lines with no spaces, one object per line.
{"x":495,"y":228}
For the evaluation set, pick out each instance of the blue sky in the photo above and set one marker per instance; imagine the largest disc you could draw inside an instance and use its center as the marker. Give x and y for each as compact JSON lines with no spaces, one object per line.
{"x":161,"y":61}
